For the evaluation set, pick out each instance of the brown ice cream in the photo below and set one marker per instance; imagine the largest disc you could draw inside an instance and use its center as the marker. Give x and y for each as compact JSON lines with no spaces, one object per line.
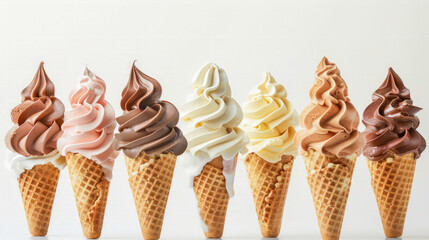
{"x":148,"y":123}
{"x":391,"y":122}
{"x":330,"y":123}
{"x":37,"y":119}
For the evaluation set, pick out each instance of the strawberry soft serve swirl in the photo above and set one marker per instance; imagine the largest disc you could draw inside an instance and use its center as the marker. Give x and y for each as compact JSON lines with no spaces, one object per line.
{"x":89,"y":126}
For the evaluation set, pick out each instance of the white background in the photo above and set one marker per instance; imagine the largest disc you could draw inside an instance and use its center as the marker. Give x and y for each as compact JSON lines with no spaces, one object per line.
{"x":171,"y":40}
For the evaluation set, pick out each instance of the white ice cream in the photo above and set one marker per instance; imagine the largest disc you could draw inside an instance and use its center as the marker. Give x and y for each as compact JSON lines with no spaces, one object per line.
{"x":18,"y":164}
{"x":210,"y":119}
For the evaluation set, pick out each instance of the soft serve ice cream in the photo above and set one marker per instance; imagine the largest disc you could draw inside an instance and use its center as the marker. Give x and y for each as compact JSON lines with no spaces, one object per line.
{"x":270,"y":121}
{"x":211,"y":118}
{"x":37,"y":126}
{"x":392,"y":148}
{"x":89,"y":126}
{"x":329,"y":143}
{"x":151,"y":142}
{"x":35,"y":159}
{"x":330,"y":122}
{"x":391,"y":122}
{"x":148,"y":123}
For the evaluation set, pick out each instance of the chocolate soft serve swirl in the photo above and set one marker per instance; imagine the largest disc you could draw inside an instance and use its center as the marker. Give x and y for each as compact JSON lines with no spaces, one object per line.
{"x":391,"y":122}
{"x":37,"y":120}
{"x":148,"y":123}
{"x":330,"y":123}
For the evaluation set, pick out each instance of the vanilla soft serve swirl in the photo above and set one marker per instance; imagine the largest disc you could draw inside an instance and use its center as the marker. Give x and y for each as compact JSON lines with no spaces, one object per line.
{"x":269,"y":120}
{"x":211,"y":118}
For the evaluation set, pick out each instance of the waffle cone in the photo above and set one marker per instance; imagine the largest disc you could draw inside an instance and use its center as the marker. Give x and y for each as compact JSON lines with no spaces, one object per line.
{"x":38,"y":186}
{"x":269,"y":183}
{"x":212,"y":196}
{"x":391,"y":180}
{"x":150,"y":179}
{"x":329,"y":179}
{"x":90,"y":191}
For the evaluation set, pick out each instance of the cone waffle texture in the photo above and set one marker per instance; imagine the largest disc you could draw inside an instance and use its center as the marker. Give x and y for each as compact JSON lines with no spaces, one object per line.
{"x":90,"y":190}
{"x":38,"y":186}
{"x":329,"y":179}
{"x":212,"y":196}
{"x":391,"y":180}
{"x":269,"y":183}
{"x":150,"y":180}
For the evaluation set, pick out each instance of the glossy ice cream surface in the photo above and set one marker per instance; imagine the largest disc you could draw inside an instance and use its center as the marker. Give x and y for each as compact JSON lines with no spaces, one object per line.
{"x":90,"y":124}
{"x":391,"y":122}
{"x":269,"y":120}
{"x":211,"y":118}
{"x":330,"y":123}
{"x":148,"y":124}
{"x":37,"y":126}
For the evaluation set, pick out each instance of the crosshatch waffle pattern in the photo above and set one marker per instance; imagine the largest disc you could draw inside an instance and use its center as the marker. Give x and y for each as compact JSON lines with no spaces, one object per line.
{"x":329,"y":179}
{"x":150,"y":181}
{"x":90,"y":190}
{"x":212,"y":196}
{"x":391,"y":180}
{"x":269,"y":183}
{"x":38,"y":187}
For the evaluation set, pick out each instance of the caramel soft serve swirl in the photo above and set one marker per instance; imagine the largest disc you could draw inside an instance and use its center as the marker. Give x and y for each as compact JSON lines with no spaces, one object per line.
{"x":391,"y":122}
{"x":148,"y":124}
{"x":330,"y":123}
{"x":37,"y":120}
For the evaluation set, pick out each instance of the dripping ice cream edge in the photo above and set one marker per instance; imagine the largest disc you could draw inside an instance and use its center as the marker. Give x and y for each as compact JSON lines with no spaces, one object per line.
{"x":194,"y":166}
{"x":18,"y":164}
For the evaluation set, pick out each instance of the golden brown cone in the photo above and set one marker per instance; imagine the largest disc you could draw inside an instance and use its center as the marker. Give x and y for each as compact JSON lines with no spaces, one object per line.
{"x":38,"y":187}
{"x":391,"y":180}
{"x":150,"y":179}
{"x":90,"y":191}
{"x":329,"y":179}
{"x":212,"y":196}
{"x":269,"y":183}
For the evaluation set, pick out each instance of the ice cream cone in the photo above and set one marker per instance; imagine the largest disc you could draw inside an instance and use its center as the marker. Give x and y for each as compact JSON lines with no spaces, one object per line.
{"x":391,"y":180}
{"x":150,"y":180}
{"x":90,"y":190}
{"x":329,"y":179}
{"x":38,"y":186}
{"x":269,"y":183}
{"x":212,"y":196}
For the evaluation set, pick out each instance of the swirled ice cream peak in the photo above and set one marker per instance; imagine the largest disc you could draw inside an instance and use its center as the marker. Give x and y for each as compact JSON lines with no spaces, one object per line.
{"x":37,"y":124}
{"x":148,"y":123}
{"x":211,"y":118}
{"x":270,"y":121}
{"x":330,"y":123}
{"x":89,"y":125}
{"x":391,"y":122}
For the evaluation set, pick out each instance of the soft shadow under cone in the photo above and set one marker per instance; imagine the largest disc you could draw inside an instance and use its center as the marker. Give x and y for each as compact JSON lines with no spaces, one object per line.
{"x":38,"y":186}
{"x":269,"y":183}
{"x":150,"y":179}
{"x":391,"y":180}
{"x":329,"y":179}
{"x":90,"y":190}
{"x":212,"y":196}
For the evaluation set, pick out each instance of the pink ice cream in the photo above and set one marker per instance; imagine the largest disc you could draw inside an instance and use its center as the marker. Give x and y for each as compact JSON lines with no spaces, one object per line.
{"x":89,"y":126}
